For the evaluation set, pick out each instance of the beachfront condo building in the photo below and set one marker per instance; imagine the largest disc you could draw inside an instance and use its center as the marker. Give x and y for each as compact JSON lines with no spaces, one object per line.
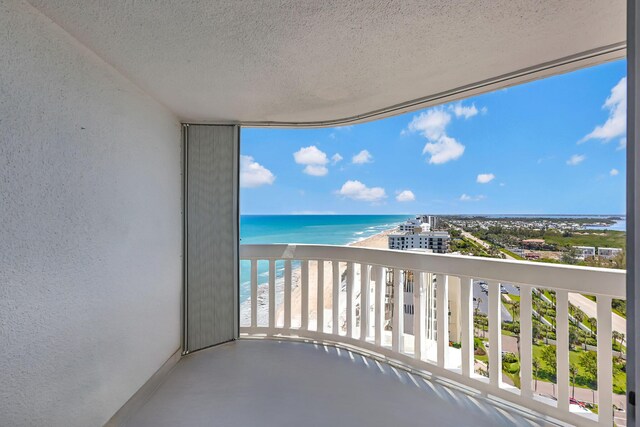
{"x":120,"y":166}
{"x":436,"y":241}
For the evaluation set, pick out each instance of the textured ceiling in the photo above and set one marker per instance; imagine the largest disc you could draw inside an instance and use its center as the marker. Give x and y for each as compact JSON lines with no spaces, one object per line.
{"x":327,"y":60}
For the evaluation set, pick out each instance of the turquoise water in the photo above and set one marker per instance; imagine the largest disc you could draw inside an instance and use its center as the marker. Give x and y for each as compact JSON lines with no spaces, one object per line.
{"x":312,"y":229}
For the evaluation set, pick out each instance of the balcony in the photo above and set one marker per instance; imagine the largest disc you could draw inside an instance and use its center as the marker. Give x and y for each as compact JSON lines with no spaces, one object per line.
{"x":358,"y":277}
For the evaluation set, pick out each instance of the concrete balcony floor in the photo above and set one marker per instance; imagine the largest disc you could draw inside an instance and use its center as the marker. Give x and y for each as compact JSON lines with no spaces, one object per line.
{"x":285,"y":383}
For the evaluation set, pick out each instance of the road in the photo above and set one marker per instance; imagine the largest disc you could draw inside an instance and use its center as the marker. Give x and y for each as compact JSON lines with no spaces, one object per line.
{"x":590,"y":309}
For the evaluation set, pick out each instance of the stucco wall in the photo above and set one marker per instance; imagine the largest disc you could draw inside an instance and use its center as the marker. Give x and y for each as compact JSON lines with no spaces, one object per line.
{"x":90,"y":229}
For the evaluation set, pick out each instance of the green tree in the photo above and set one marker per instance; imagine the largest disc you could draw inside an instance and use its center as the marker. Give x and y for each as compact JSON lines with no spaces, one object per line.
{"x":573,"y":372}
{"x":593,"y":324}
{"x":589,"y":362}
{"x":548,"y":356}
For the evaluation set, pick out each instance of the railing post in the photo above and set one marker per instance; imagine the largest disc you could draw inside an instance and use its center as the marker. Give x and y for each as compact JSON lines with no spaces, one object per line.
{"x":605,"y":368}
{"x":364,"y":301}
{"x":397,"y":342}
{"x":562,"y":348}
{"x":320,"y":297}
{"x":335,"y":298}
{"x":287,"y":294}
{"x":526,"y":338}
{"x":254,"y":293}
{"x":442,"y":317}
{"x":466,"y":307}
{"x":380,"y":289}
{"x":350,"y":307}
{"x":418,"y":313}
{"x":495,"y":335}
{"x":304,"y":295}
{"x":272,"y":293}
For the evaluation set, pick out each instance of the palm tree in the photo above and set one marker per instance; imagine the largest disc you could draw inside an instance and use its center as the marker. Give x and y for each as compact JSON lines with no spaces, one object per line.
{"x":535,"y":364}
{"x":516,"y":310}
{"x":593,"y":323}
{"x":573,"y":372}
{"x":618,"y":336}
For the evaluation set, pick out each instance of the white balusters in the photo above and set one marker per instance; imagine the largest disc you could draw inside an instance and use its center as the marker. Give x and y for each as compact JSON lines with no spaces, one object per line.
{"x":254,"y":293}
{"x":350,"y":305}
{"x":365,"y":284}
{"x":272,"y":293}
{"x":495,"y":336}
{"x":562,"y":348}
{"x":466,"y":320}
{"x":605,"y":368}
{"x":320,"y":297}
{"x":381,"y":284}
{"x":442,"y":320}
{"x":304,"y":296}
{"x":287,"y":294}
{"x":526,"y":338}
{"x":419,"y":306}
{"x":335,"y":298}
{"x":397,"y":339}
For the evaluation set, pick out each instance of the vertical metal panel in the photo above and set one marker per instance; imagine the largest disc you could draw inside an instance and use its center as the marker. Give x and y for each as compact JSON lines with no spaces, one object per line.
{"x":442,"y":307}
{"x":320,"y":297}
{"x":335,"y":297}
{"x":633,"y":213}
{"x":287,"y":294}
{"x":562,"y":348}
{"x":211,"y":235}
{"x":365,"y":284}
{"x":495,"y":336}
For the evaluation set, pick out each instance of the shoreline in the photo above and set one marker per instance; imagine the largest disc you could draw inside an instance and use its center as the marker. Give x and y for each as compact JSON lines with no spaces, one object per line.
{"x":376,"y":241}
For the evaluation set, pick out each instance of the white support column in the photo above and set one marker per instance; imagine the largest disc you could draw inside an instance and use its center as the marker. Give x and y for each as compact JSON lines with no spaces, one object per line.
{"x":526,"y":338}
{"x":380,"y":290}
{"x":562,"y":348}
{"x":287,"y":294}
{"x":335,"y":298}
{"x":320,"y":297}
{"x":466,"y":319}
{"x":605,"y":367}
{"x":495,"y":334}
{"x":364,"y":301}
{"x":418,"y":314}
{"x":272,"y":293}
{"x":350,"y":307}
{"x":254,"y":293}
{"x":442,"y":314}
{"x":304,"y":295}
{"x":397,"y":342}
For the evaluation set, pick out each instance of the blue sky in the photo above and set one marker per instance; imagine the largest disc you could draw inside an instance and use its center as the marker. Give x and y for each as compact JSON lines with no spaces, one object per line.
{"x":550,"y":146}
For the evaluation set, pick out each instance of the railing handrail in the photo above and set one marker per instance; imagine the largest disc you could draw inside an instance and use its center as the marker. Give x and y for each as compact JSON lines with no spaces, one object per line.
{"x":571,"y":278}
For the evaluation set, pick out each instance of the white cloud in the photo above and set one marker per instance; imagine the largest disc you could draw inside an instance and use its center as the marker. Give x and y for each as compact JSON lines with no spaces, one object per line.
{"x":405,"y":196}
{"x":443,"y":150}
{"x":485,"y":178}
{"x":314,"y":159}
{"x":336,"y":158}
{"x":576,"y":159}
{"x":310,"y":156}
{"x":253,"y":174}
{"x":432,"y":124}
{"x":362,"y":157}
{"x":616,"y":124}
{"x":358,"y":191}
{"x":465,"y":111}
{"x":315,"y":170}
{"x":466,"y":198}
{"x":614,"y":172}
{"x":622,"y":144}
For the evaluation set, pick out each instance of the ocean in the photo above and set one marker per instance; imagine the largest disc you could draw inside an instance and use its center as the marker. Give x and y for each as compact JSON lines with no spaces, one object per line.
{"x":311,"y":229}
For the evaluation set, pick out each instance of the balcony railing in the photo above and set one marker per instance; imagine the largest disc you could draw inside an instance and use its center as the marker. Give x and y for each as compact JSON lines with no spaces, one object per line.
{"x":360,"y":276}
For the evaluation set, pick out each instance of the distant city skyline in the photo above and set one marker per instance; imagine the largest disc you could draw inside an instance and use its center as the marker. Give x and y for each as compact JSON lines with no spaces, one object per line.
{"x":553,"y":146}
